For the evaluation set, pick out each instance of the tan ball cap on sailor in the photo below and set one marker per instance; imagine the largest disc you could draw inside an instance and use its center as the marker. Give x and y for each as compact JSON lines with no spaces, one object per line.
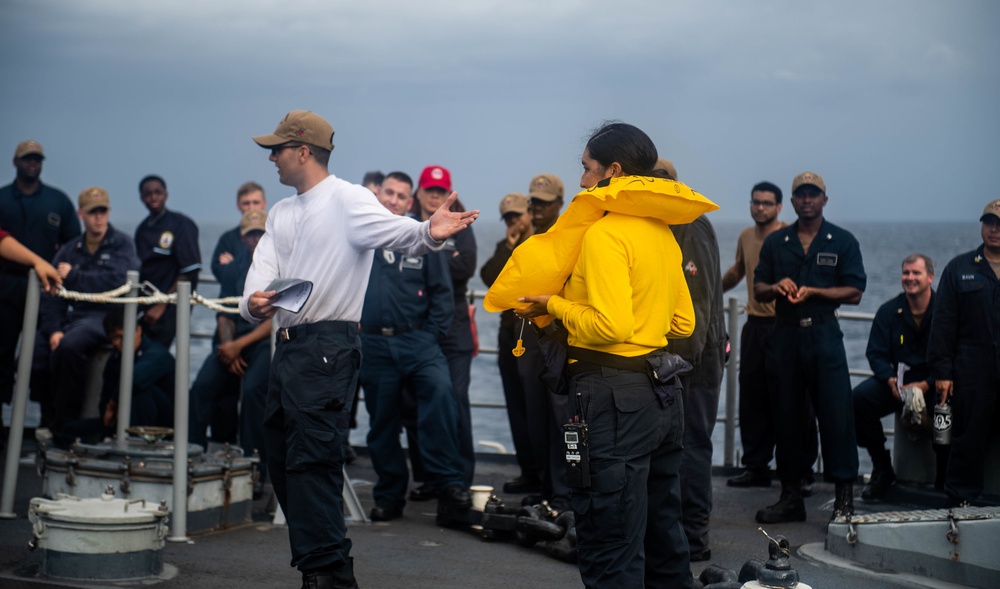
{"x":29,"y":147}
{"x":301,"y":126}
{"x":253,"y":221}
{"x":547,"y":187}
{"x":92,"y":198}
{"x":667,"y":166}
{"x":991,"y":208}
{"x":515,"y":202}
{"x":808,"y":178}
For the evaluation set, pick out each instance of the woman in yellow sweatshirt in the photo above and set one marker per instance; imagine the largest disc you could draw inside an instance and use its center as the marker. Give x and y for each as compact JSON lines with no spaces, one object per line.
{"x":624,"y":295}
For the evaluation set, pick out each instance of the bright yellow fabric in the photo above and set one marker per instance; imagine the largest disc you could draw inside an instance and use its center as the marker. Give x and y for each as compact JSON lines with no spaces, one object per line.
{"x":627,"y":291}
{"x":543,"y":263}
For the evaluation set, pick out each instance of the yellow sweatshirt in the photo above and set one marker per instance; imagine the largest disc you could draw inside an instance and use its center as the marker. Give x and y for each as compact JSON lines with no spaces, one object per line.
{"x":627,"y":291}
{"x":633,"y":320}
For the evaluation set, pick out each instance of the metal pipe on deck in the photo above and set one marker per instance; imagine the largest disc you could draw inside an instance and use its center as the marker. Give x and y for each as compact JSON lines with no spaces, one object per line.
{"x":178,"y":527}
{"x":19,"y":405}
{"x":128,"y":361}
{"x":732,"y":373}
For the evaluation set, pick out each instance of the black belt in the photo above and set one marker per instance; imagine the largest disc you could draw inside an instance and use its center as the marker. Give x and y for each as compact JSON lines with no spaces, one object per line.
{"x":287,"y":334}
{"x":391,"y":331}
{"x":807,"y":321}
{"x":760,"y":319}
{"x":587,"y":356}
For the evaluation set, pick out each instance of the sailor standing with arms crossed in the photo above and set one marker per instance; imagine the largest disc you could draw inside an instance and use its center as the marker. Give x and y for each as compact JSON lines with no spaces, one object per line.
{"x":325,"y":234}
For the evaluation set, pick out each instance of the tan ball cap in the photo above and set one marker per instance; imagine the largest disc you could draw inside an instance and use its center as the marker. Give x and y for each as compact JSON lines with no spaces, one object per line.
{"x":300,"y":126}
{"x":92,"y":198}
{"x":27,"y":148}
{"x":667,"y":166}
{"x":808,"y":178}
{"x":992,"y":208}
{"x":253,"y":221}
{"x":515,"y":202}
{"x":547,"y":187}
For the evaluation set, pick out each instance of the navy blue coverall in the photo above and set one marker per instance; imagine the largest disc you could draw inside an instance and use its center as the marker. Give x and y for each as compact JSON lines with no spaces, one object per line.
{"x":894,"y":338}
{"x":42,"y":222}
{"x":705,"y":349}
{"x":805,"y":351}
{"x":536,"y":415}
{"x":81,"y":321}
{"x":216,"y":392}
{"x":408,"y":308}
{"x":965,"y":348}
{"x":168,"y":247}
{"x":152,"y":395}
{"x":228,"y":242}
{"x":457,"y":347}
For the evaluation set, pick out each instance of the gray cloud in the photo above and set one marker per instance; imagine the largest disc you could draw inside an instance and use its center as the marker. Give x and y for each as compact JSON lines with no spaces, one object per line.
{"x":891,"y":101}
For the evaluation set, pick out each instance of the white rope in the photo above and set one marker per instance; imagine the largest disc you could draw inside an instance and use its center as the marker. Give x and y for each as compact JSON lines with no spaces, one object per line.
{"x":115,"y":296}
{"x":217,"y":304}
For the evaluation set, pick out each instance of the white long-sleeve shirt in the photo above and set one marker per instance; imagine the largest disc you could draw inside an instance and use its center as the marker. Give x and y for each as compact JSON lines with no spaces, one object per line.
{"x":327,"y":236}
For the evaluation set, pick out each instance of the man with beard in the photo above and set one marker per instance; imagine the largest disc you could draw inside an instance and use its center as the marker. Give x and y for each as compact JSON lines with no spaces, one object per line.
{"x":42,"y":219}
{"x":756,"y":418}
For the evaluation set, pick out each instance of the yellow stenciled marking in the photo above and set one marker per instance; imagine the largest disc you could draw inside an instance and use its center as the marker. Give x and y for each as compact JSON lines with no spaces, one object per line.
{"x":518,"y":350}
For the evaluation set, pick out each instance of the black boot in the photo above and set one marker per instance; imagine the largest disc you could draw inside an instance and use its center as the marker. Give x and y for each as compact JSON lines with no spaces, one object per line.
{"x":341,"y":578}
{"x":789,"y":508}
{"x":882,"y":474}
{"x":844,"y":503}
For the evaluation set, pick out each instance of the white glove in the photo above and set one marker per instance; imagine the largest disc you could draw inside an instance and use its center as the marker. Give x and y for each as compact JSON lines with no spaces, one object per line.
{"x":916,"y":404}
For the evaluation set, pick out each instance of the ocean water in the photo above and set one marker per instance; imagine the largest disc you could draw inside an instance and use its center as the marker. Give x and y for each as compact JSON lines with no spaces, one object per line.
{"x":883,"y":245}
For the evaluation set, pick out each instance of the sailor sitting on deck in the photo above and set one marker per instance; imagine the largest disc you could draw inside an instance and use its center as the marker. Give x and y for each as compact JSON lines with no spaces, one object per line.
{"x":240,"y":360}
{"x":152,"y":387}
{"x":94,"y":262}
{"x":898,"y":337}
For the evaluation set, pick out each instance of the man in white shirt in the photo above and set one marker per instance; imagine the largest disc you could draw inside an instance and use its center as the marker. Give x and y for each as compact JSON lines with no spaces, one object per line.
{"x":326,"y":234}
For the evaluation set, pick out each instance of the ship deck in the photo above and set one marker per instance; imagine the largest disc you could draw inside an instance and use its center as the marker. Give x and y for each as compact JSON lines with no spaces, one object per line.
{"x":416,"y":553}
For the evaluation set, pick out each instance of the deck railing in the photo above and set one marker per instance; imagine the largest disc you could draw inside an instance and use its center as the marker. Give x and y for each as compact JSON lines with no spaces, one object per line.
{"x":730,"y":418}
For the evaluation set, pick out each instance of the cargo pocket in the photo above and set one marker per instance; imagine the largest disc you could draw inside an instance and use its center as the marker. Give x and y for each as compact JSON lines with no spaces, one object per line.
{"x":600,"y":508}
{"x":637,"y":415}
{"x":311,"y":448}
{"x":339,"y":368}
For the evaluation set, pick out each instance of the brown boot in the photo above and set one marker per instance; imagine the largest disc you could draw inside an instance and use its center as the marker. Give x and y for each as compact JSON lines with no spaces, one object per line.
{"x":789,"y":508}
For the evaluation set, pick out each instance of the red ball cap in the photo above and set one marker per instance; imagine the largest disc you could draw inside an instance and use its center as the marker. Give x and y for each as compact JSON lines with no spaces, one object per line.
{"x":435,"y":177}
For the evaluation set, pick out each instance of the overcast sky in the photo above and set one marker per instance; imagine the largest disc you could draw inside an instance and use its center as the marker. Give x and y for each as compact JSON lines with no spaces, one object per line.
{"x":895,"y":103}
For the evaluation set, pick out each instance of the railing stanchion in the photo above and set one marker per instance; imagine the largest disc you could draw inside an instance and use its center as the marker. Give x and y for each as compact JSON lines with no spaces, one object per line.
{"x":128,"y":361}
{"x":732,"y":378}
{"x":19,"y":404}
{"x":182,"y":382}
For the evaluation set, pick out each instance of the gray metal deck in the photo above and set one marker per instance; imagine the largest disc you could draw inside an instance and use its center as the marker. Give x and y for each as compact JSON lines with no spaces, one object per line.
{"x":415,"y":553}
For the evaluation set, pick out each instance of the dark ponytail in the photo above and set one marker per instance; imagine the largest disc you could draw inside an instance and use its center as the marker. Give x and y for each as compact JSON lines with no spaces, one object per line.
{"x":625,"y":144}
